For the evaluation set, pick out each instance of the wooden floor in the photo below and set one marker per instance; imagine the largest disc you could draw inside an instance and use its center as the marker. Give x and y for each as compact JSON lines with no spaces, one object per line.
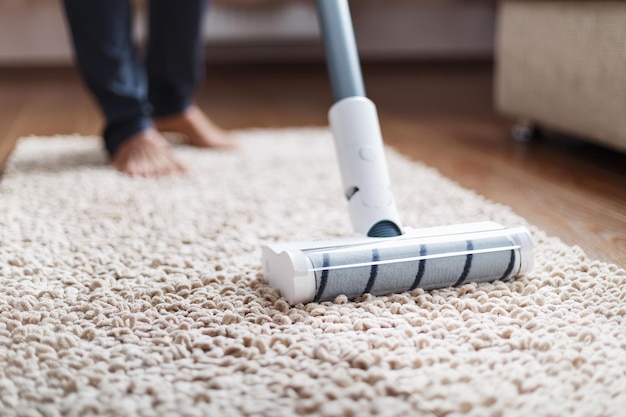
{"x":440,"y":114}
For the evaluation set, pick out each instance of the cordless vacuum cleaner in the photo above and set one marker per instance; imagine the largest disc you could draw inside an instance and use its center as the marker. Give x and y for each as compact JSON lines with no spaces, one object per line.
{"x":381,"y":258}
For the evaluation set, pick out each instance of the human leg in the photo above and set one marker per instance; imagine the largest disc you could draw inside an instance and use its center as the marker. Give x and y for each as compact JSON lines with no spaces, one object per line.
{"x":107,"y":59}
{"x":175,"y":67}
{"x":174,"y":59}
{"x":101,"y":32}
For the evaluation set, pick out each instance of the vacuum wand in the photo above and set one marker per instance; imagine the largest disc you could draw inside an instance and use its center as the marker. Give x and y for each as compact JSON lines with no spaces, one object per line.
{"x":354,"y":123}
{"x":381,"y":258}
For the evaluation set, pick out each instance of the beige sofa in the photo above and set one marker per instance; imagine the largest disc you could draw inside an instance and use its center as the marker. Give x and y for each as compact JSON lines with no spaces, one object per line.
{"x":562,"y":65}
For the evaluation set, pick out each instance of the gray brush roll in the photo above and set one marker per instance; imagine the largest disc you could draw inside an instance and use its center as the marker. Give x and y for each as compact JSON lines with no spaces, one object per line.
{"x":399,"y":268}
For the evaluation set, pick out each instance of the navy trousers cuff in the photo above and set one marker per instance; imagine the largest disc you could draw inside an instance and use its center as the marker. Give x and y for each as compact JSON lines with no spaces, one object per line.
{"x":117,"y":133}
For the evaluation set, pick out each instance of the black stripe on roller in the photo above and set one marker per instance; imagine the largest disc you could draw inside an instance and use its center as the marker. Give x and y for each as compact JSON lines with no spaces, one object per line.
{"x":420,"y":269}
{"x":509,"y":268}
{"x":373,"y":271}
{"x":324,"y":279}
{"x":468,"y":264}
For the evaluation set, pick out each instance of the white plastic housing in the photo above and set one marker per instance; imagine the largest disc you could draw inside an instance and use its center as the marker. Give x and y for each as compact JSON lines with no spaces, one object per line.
{"x":288,"y":269}
{"x":359,"y":145}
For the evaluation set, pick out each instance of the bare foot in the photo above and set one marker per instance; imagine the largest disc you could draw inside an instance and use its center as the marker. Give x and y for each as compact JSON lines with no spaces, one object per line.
{"x":197,"y":127}
{"x":147,"y":154}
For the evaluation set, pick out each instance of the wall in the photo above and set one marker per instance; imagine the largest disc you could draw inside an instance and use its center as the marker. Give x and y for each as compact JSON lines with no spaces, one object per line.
{"x":32,"y":32}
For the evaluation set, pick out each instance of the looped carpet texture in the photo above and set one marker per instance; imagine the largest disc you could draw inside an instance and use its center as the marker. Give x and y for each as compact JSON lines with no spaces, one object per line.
{"x":125,"y":296}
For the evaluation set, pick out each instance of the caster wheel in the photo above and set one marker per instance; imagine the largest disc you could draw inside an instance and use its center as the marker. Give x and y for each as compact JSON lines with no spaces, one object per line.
{"x":525,"y":132}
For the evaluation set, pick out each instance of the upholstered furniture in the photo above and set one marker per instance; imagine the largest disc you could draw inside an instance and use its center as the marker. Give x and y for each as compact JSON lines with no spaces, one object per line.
{"x":562,"y":65}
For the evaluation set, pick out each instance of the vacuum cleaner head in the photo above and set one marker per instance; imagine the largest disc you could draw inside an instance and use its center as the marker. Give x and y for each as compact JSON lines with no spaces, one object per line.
{"x":422,"y":258}
{"x":381,"y":259}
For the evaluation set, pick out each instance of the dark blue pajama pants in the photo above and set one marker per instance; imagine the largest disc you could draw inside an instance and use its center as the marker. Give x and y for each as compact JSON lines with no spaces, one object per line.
{"x":131,"y":89}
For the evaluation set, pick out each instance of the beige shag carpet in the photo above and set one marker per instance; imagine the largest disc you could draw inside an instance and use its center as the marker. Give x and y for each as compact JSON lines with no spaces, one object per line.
{"x":144,"y":297}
